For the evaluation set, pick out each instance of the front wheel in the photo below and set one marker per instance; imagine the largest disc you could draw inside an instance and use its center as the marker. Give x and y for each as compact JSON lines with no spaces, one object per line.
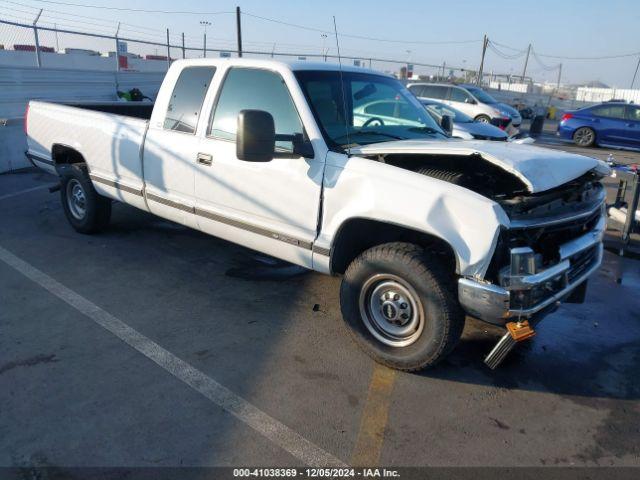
{"x":85,"y":209}
{"x":483,"y":119}
{"x":400,"y":307}
{"x":584,"y":137}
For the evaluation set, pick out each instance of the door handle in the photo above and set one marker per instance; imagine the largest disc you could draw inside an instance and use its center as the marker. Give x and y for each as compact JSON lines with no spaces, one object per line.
{"x":205,"y":159}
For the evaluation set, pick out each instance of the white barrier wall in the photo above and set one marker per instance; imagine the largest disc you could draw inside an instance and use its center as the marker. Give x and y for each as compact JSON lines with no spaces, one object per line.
{"x":510,"y":87}
{"x":18,"y":85}
{"x":13,"y":58}
{"x":589,"y":94}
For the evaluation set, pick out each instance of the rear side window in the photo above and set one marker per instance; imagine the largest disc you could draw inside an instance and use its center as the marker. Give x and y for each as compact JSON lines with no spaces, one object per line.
{"x":186,"y":99}
{"x":417,"y":90}
{"x":459,"y":95}
{"x":609,"y":111}
{"x":633,"y":113}
{"x":255,"y":89}
{"x":438,"y":92}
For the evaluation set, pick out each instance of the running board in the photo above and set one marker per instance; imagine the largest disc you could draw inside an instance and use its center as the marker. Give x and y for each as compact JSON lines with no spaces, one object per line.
{"x":516,"y":332}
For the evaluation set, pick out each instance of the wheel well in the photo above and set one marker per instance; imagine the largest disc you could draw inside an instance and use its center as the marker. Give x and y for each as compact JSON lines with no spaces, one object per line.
{"x":64,"y":155}
{"x":359,"y":234}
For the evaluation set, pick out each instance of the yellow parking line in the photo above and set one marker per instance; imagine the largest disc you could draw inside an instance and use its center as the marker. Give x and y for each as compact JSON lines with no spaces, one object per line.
{"x":366,"y":451}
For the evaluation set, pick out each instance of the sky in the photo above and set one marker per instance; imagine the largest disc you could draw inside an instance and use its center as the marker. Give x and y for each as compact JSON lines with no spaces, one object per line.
{"x":422,"y":31}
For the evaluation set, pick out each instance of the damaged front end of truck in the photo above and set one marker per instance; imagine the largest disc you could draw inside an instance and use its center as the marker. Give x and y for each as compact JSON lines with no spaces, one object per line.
{"x":555,"y":203}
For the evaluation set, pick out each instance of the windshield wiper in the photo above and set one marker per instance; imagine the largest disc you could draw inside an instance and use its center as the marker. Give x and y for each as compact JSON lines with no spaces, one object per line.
{"x":369,"y":132}
{"x":425,"y":130}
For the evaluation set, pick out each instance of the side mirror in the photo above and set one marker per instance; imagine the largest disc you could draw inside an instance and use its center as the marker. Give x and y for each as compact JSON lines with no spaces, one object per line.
{"x":446,"y":122}
{"x":471,"y":101}
{"x":256,"y":137}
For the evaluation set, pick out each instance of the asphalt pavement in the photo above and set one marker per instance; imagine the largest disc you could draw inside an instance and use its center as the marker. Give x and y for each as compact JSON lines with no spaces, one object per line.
{"x":152,"y":345}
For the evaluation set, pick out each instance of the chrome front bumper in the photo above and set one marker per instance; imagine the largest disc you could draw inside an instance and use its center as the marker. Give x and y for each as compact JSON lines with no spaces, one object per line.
{"x":579,"y":258}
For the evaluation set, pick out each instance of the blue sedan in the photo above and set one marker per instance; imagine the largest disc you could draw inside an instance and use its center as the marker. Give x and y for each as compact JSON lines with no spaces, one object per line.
{"x":610,"y":124}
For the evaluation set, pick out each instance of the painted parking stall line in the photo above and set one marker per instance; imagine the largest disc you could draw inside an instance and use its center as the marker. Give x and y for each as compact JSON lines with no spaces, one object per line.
{"x":375,"y":413}
{"x":22,"y":192}
{"x":286,"y":438}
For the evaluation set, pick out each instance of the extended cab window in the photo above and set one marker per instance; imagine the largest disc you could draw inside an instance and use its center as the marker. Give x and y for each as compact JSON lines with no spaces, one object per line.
{"x":254,"y":89}
{"x":186,"y":99}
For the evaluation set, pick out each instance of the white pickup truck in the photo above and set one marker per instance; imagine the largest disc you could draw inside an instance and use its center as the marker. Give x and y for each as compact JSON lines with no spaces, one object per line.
{"x":344,"y":172}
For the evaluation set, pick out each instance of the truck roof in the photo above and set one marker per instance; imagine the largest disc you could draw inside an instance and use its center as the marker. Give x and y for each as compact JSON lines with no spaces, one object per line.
{"x":296,"y":65}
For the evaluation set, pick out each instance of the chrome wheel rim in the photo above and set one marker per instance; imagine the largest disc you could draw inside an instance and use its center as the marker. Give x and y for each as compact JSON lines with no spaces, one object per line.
{"x":76,"y":199}
{"x":483,"y":120}
{"x":391,"y":310}
{"x":583,"y":136}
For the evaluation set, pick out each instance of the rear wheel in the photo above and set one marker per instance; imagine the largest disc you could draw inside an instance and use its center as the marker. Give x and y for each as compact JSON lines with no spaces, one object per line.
{"x":85,"y":209}
{"x":584,"y":137}
{"x":400,"y":307}
{"x":483,"y":119}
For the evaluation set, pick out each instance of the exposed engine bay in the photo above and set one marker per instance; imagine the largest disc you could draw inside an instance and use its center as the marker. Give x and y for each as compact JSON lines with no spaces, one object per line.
{"x":541,"y":221}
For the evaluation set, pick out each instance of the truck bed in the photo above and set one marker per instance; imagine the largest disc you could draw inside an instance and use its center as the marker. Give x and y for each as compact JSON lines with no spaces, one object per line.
{"x":108,"y":135}
{"x":126,"y":109}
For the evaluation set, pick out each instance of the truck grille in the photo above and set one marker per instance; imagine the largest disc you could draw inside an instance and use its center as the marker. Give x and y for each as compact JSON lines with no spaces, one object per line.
{"x":581,"y":263}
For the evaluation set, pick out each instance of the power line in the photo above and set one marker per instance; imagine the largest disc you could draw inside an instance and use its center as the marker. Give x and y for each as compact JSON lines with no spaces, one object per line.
{"x":604,"y":57}
{"x":273,"y":20}
{"x":565,"y":57}
{"x":361,"y":37}
{"x":501,"y":54}
{"x":543,"y":65}
{"x":140,"y":10}
{"x":74,"y":15}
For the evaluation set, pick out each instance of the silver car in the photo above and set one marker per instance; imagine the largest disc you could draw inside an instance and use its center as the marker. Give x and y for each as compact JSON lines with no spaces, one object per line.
{"x":464,"y":126}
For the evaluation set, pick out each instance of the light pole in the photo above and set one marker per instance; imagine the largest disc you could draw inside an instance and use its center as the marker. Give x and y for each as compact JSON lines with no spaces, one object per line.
{"x":205,"y":24}
{"x":324,"y":38}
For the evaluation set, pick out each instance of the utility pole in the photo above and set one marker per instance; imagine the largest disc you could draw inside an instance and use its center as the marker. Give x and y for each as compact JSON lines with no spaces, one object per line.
{"x":55,"y":26}
{"x":205,"y":24}
{"x":183,"y":49}
{"x":239,"y":30}
{"x":485,"y":42}
{"x":168,"y":51}
{"x":636,"y":73}
{"x":117,"y":51}
{"x":526,"y":62}
{"x":444,"y":66}
{"x":324,"y":38}
{"x":37,"y":41}
{"x":559,"y":75}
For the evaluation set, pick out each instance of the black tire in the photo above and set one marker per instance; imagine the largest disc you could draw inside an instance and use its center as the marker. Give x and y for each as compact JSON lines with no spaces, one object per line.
{"x":584,"y":137}
{"x":93,"y":213}
{"x":434,"y":288}
{"x":483,"y":119}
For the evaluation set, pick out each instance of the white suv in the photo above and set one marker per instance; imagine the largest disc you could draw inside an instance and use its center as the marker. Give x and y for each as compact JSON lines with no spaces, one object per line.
{"x":469,"y":99}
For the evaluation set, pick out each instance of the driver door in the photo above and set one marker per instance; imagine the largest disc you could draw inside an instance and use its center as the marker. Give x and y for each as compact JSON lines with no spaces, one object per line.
{"x":272,"y":206}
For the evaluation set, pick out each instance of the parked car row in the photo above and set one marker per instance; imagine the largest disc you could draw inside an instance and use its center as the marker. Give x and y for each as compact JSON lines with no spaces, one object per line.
{"x":470,"y":100}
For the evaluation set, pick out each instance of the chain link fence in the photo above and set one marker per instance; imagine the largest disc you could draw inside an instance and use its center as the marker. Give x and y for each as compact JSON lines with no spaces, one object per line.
{"x":127,"y":49}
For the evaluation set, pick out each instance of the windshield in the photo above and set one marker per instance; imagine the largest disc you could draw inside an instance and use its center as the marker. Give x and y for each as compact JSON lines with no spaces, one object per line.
{"x":440,"y":109}
{"x":378,"y":109}
{"x":481,"y":95}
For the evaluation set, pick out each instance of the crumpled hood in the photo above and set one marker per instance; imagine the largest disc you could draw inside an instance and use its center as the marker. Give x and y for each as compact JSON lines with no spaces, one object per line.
{"x":539,"y":168}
